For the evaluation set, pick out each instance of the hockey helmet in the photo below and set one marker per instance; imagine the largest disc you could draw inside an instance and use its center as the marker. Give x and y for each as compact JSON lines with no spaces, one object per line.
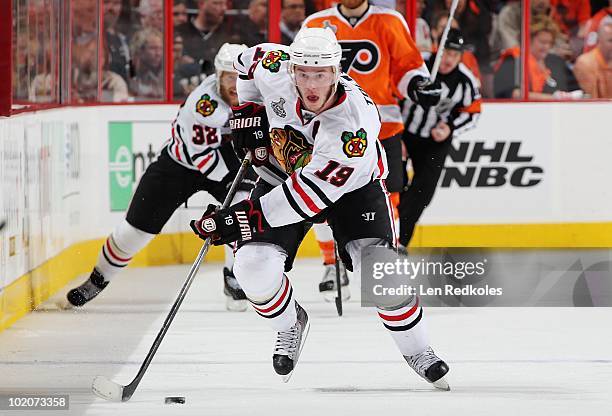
{"x":454,"y":40}
{"x":316,"y":47}
{"x":224,"y":60}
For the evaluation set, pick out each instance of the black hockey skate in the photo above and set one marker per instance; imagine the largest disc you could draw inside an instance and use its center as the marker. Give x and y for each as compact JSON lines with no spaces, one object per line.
{"x":430,"y":367}
{"x":80,"y":295}
{"x":327,"y":287}
{"x":289,"y":345}
{"x":236,"y":300}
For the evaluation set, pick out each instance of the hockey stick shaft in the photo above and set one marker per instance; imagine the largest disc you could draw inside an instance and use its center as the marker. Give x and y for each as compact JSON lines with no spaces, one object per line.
{"x":338,"y":283}
{"x":440,"y":52}
{"x":130,"y":388}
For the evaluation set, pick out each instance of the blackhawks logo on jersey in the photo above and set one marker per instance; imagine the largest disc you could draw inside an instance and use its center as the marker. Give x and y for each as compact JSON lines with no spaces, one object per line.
{"x":272,"y":60}
{"x":290,"y":148}
{"x":206,"y":106}
{"x":355,"y":144}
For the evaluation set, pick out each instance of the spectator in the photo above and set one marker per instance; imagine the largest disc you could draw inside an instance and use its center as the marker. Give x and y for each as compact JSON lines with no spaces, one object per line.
{"x":422,"y":36}
{"x":179,"y":13}
{"x":571,"y":15}
{"x":114,"y":88}
{"x":549,"y":75}
{"x":152,"y":14}
{"x":118,"y":42}
{"x":594,"y":69}
{"x":204,"y":35}
{"x":147,"y":52}
{"x":187,"y":74}
{"x":292,"y":16}
{"x":254,"y":30}
{"x":508,"y":31}
{"x":592,"y":27}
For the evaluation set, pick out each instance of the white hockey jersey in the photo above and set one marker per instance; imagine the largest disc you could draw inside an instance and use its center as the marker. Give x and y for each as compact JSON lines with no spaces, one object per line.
{"x":197,"y":131}
{"x":314,"y":159}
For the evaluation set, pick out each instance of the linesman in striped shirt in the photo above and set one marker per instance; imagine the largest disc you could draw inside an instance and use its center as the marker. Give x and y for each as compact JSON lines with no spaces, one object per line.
{"x":429,"y":131}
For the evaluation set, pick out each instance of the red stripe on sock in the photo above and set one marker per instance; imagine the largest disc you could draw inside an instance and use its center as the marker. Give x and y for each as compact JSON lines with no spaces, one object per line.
{"x":403,"y":316}
{"x":112,"y":253}
{"x":278,"y":302}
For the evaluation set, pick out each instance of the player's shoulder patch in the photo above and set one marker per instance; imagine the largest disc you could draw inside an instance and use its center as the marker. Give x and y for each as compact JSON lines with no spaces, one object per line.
{"x":273,"y":59}
{"x":354,"y":144}
{"x":206,"y":106}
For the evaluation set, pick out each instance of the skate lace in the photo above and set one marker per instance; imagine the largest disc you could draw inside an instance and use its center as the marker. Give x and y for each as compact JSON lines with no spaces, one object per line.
{"x":287,"y":342}
{"x":421,"y":362}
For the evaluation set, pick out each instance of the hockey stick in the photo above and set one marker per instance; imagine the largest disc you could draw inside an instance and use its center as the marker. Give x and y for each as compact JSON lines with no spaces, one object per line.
{"x":338,"y":283}
{"x":436,"y":65}
{"x":108,"y":389}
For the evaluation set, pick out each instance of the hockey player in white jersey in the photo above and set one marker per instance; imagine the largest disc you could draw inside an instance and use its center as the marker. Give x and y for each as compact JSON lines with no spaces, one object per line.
{"x":313,"y":133}
{"x":198,"y":157}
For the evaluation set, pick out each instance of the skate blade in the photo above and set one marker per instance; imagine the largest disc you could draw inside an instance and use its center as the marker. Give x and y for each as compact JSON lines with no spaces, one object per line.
{"x":64,"y":305}
{"x":287,"y":377}
{"x":330,"y":295}
{"x":441,"y":384}
{"x":233,"y":305}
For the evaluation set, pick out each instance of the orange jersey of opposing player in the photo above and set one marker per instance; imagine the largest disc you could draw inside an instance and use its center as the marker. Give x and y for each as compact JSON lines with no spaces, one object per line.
{"x":379,"y":53}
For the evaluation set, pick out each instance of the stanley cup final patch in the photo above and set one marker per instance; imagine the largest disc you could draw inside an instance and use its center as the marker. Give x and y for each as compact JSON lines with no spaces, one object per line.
{"x":279,"y":107}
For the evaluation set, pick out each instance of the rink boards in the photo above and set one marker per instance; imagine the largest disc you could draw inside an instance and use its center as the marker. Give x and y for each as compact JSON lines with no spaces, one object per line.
{"x":531,"y":175}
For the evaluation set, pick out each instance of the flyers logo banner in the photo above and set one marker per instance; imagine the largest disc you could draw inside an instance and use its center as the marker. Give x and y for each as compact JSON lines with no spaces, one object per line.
{"x":206,"y":106}
{"x":361,"y":56}
{"x":272,"y":60}
{"x":355,"y":145}
{"x":290,"y":148}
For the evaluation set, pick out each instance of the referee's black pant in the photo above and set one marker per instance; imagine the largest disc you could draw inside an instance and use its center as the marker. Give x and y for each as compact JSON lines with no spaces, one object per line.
{"x":427,"y":162}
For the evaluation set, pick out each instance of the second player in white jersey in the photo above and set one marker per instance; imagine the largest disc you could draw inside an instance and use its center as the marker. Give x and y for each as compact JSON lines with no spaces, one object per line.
{"x":195,"y":159}
{"x":199,"y":130}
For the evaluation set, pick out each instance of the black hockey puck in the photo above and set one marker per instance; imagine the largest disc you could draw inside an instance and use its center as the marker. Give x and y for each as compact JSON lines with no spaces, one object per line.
{"x":175,"y":399}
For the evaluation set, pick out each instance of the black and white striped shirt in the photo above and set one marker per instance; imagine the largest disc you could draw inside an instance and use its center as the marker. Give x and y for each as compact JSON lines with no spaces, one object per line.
{"x":459,"y":105}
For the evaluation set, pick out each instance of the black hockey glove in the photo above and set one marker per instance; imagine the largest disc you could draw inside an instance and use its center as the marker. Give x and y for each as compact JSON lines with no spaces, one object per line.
{"x":251,"y":130}
{"x":236,"y":223}
{"x":424,"y":92}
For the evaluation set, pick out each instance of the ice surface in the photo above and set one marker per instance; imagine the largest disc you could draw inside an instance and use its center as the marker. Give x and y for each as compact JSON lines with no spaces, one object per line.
{"x":504,"y":361}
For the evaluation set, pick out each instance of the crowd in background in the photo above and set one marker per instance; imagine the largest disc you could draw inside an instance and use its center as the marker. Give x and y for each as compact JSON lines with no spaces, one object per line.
{"x":571,"y":44}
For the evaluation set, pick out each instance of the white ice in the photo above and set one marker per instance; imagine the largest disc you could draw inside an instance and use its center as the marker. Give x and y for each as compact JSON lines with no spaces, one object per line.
{"x":504,"y":361}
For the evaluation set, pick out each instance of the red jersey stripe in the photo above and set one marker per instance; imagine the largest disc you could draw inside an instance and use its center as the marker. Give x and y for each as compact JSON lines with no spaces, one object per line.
{"x":309,"y":202}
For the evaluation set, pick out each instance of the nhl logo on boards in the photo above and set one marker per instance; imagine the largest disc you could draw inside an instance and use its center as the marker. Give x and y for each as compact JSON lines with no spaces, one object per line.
{"x":278,"y":107}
